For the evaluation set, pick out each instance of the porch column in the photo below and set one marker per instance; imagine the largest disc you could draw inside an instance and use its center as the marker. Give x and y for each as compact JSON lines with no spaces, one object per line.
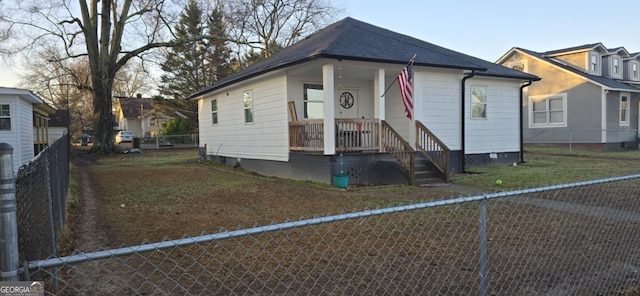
{"x":329,"y":111}
{"x":379,"y":99}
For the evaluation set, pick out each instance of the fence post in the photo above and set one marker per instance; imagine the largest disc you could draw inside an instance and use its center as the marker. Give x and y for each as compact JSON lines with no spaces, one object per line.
{"x":483,"y":247}
{"x":9,"y":261}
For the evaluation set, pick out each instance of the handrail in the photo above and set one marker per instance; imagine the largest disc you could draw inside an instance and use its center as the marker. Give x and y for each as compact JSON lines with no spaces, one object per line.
{"x":306,"y":135}
{"x":435,"y":150}
{"x":399,"y":148}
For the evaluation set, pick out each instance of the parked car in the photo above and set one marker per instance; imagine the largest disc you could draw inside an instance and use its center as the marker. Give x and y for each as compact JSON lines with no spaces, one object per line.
{"x":124,"y":136}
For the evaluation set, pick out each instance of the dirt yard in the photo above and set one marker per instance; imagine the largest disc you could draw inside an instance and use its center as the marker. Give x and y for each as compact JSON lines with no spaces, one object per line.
{"x":131,"y":204}
{"x":565,"y":242}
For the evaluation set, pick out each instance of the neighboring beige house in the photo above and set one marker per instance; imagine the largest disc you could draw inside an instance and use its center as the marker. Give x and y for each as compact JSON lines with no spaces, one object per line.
{"x":589,"y":96}
{"x":137,"y":114}
{"x":24,"y":119}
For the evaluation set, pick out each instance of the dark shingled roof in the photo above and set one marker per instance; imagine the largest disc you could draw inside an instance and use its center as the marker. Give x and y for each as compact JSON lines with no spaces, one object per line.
{"x":608,"y":82}
{"x":133,"y":107}
{"x":350,"y":39}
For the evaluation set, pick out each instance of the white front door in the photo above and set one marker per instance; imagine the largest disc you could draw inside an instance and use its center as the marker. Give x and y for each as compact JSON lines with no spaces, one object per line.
{"x":346,"y":103}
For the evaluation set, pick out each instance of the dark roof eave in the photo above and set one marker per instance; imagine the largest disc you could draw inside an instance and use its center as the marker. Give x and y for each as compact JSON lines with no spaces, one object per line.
{"x":328,"y":56}
{"x":534,"y":78}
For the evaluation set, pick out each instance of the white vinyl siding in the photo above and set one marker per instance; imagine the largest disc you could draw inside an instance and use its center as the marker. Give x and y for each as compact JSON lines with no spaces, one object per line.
{"x":548,"y":110}
{"x":500,"y":130}
{"x":437,"y":103}
{"x":267,"y":138}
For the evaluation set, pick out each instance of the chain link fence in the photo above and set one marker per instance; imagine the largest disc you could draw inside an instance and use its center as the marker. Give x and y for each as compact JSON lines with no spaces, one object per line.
{"x":614,"y":139}
{"x":571,"y":239}
{"x":170,"y":141}
{"x":41,"y":192}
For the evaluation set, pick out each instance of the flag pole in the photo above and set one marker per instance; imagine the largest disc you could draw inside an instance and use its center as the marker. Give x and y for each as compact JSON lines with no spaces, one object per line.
{"x":394,"y":81}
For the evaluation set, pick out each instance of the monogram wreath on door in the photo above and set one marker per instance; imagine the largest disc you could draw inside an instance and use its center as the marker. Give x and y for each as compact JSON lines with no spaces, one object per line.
{"x":346,"y":100}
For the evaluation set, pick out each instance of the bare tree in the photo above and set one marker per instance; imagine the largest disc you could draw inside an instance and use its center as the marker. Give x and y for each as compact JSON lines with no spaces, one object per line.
{"x":67,"y":85}
{"x":274,"y":24}
{"x":107,"y":33}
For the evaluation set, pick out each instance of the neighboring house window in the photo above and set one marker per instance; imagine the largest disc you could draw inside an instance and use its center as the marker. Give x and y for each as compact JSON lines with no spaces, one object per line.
{"x":616,"y":66}
{"x":478,"y":102}
{"x":214,"y":112}
{"x":594,"y":63}
{"x":248,"y":107}
{"x":152,"y":121}
{"x":624,"y":109}
{"x":5,"y":117}
{"x":634,"y":70}
{"x":548,"y":110}
{"x":313,"y":101}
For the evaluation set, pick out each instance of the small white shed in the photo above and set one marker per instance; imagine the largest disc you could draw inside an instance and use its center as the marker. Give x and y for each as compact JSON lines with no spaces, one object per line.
{"x":17,"y":123}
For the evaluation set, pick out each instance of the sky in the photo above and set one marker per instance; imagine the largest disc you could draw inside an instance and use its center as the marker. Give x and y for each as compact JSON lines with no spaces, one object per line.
{"x":487,"y":29}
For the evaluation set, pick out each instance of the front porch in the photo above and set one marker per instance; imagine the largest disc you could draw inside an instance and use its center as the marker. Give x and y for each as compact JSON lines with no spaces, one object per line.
{"x":354,"y":135}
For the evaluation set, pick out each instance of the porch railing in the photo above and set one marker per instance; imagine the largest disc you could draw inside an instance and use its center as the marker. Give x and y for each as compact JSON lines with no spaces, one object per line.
{"x":352,"y":134}
{"x":400,"y":149}
{"x":306,"y":135}
{"x":435,"y":150}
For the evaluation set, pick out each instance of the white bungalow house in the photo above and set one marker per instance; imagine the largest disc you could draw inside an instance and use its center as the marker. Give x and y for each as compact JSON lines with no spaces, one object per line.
{"x":328,"y":105}
{"x":23,"y":124}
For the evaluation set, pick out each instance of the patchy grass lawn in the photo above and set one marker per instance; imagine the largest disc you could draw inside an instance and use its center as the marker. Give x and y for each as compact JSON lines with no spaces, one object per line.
{"x":169,"y":194}
{"x":552,"y":165}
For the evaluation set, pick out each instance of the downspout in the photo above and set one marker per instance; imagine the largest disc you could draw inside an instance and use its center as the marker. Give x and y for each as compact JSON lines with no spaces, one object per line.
{"x":462,"y":121}
{"x":521,"y":117}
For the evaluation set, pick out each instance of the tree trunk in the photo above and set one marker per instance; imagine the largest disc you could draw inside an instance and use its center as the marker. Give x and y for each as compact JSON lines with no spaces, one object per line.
{"x":103,"y":117}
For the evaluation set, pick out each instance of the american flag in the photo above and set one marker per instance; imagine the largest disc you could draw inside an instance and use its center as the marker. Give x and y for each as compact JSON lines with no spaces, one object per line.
{"x":405,"y":81}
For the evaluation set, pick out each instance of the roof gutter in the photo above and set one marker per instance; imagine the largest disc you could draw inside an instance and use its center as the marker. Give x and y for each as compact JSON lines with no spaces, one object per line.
{"x":521,"y":117}
{"x":462,"y":121}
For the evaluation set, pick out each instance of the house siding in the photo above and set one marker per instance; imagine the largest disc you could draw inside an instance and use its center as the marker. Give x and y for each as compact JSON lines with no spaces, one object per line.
{"x":583,"y":105}
{"x":578,"y":60}
{"x":25,"y":133}
{"x":617,"y":134}
{"x":266,"y":138}
{"x":21,"y":135}
{"x":439,"y":107}
{"x":500,"y":131}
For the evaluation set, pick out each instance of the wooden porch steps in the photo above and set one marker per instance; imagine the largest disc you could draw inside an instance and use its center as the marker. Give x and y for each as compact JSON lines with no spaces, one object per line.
{"x":425,"y":172}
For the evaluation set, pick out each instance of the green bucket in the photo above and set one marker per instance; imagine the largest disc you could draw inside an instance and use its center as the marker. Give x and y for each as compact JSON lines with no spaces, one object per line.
{"x":341,"y":180}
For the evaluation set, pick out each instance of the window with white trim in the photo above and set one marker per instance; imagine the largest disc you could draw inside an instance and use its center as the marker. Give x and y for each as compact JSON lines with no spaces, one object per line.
{"x":5,"y":117}
{"x":248,"y":107}
{"x":594,"y":63}
{"x":313,"y":101}
{"x":214,"y":112}
{"x":634,"y":70}
{"x":478,"y":102}
{"x":615,"y":66}
{"x":624,"y":109}
{"x":548,"y":110}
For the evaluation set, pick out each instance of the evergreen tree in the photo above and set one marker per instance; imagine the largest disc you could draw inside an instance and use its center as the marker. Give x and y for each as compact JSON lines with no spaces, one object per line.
{"x":192,"y":66}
